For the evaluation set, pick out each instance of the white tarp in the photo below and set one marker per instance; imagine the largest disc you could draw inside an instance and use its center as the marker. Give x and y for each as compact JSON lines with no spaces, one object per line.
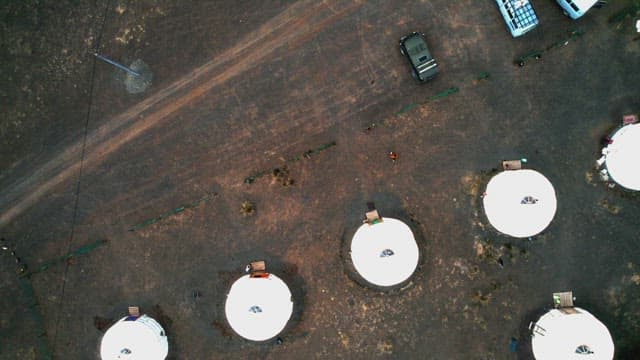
{"x":386,"y":253}
{"x":139,"y":339}
{"x":622,"y":157}
{"x":258,"y":308}
{"x":579,"y":336}
{"x":520,"y":203}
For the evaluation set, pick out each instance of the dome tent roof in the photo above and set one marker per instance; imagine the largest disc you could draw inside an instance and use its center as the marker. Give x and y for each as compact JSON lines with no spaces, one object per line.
{"x":135,"y":338}
{"x":622,"y":157}
{"x":571,"y":335}
{"x":384,"y":253}
{"x":520,"y":203}
{"x":258,"y":308}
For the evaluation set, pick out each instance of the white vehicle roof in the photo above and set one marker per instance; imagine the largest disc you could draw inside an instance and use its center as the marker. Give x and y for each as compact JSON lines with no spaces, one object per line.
{"x":585,"y":4}
{"x":518,"y":15}
{"x":582,"y":7}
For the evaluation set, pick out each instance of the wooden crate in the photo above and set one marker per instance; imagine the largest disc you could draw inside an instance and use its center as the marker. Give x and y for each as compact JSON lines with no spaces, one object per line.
{"x":511,"y":164}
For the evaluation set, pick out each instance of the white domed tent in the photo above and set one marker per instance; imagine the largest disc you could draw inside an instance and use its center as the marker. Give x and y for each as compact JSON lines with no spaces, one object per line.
{"x":574,"y":334}
{"x":258,"y":305}
{"x":520,"y":203}
{"x":384,"y":251}
{"x":135,"y":338}
{"x":622,"y":156}
{"x":569,"y":332}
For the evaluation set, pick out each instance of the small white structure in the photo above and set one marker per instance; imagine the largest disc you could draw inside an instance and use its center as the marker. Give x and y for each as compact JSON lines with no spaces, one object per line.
{"x":384,"y":252}
{"x":135,"y":338}
{"x":576,"y":8}
{"x":571,"y":334}
{"x":258,"y":307}
{"x":622,"y":157}
{"x":520,"y":203}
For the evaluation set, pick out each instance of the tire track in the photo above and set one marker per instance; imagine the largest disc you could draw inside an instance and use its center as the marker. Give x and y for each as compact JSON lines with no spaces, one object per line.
{"x":230,"y":161}
{"x":127,"y":126}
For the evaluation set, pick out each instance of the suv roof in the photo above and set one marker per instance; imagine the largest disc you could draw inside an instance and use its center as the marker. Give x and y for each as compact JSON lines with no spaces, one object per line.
{"x":414,"y":47}
{"x":519,"y":16}
{"x":576,"y":8}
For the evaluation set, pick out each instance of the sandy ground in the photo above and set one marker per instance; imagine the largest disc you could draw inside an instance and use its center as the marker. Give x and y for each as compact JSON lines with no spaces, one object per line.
{"x":241,"y":89}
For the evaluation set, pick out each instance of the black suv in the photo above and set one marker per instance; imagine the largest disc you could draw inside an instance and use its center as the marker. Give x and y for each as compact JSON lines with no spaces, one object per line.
{"x":423,"y":65}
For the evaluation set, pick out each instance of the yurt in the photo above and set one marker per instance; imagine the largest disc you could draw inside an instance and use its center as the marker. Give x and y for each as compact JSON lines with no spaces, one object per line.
{"x":384,"y":251}
{"x":259,"y":304}
{"x":135,"y":338}
{"x":519,"y":203}
{"x":571,"y":333}
{"x":621,"y":156}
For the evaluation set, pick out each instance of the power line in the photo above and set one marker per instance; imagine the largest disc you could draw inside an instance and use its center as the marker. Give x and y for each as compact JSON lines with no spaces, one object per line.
{"x":79,"y":182}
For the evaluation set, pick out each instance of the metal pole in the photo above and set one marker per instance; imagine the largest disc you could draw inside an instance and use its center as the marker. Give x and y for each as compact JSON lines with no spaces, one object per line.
{"x":118,"y":65}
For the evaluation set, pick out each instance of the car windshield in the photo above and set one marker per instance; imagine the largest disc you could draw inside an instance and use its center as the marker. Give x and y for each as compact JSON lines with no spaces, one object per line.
{"x":417,"y":49}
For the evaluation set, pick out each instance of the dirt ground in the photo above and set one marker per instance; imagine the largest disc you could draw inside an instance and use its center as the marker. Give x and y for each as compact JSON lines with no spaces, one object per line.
{"x":242,"y":88}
